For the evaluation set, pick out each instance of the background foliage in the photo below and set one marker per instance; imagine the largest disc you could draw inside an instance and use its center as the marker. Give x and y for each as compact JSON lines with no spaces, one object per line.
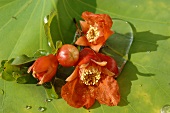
{"x":144,"y":82}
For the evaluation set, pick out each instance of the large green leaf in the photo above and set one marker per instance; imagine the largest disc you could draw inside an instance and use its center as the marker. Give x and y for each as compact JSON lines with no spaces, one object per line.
{"x":144,"y":82}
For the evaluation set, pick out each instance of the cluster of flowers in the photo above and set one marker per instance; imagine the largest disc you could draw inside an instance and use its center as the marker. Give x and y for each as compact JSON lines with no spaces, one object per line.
{"x":94,"y":74}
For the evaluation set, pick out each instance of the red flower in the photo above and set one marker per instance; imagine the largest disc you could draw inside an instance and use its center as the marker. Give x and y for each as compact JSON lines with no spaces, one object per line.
{"x":44,"y":68}
{"x":92,"y":79}
{"x":96,"y":29}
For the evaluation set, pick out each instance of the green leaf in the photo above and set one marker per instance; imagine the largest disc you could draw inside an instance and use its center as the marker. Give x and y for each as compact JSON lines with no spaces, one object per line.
{"x":51,"y":94}
{"x":58,"y":45}
{"x":40,"y":53}
{"x":10,"y":68}
{"x":144,"y":81}
{"x":47,"y":23}
{"x":26,"y":79}
{"x":22,"y":59}
{"x":7,"y":76}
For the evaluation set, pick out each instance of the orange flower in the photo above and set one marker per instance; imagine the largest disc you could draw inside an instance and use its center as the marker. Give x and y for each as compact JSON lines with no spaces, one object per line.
{"x":44,"y":68}
{"x":92,"y":79}
{"x":96,"y":29}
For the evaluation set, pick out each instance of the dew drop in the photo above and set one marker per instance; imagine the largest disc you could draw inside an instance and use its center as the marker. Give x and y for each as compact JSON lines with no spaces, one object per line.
{"x":42,"y":109}
{"x":28,"y":107}
{"x":49,"y":44}
{"x":165,"y":109}
{"x":148,"y":51}
{"x":45,"y":20}
{"x":48,"y":100}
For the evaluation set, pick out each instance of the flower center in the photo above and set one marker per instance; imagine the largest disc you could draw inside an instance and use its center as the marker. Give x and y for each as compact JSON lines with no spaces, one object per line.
{"x":92,"y":34}
{"x":90,"y":76}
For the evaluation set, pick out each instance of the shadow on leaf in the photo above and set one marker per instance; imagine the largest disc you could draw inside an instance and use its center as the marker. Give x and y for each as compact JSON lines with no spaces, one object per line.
{"x":143,"y":42}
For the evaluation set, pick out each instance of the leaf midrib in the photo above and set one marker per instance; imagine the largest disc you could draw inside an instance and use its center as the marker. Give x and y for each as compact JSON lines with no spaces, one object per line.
{"x":125,"y":17}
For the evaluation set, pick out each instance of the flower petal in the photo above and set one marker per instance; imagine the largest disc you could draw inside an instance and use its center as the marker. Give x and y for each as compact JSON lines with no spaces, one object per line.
{"x":44,"y":68}
{"x":108,"y":91}
{"x":84,"y":26}
{"x":103,"y":63}
{"x":111,"y":65}
{"x":85,"y":55}
{"x":97,"y":47}
{"x":108,"y":33}
{"x":73,"y":75}
{"x":105,"y":71}
{"x":76,"y":94}
{"x":30,"y":68}
{"x":82,"y":41}
{"x":46,"y":61}
{"x":48,"y":75}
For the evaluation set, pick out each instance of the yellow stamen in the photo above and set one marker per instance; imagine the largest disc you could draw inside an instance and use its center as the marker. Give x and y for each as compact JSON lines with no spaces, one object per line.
{"x":92,"y":34}
{"x":90,"y":75}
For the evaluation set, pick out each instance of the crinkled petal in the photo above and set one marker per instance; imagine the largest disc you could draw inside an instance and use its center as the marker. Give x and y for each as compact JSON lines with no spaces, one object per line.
{"x":103,"y":63}
{"x":92,"y":18}
{"x":77,"y":95}
{"x":86,"y":55}
{"x":111,"y":65}
{"x":108,"y":91}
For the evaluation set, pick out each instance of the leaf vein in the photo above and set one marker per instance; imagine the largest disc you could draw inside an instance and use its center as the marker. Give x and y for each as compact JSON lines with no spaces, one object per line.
{"x":66,"y":9}
{"x":41,"y":40}
{"x":72,"y":8}
{"x":121,"y":16}
{"x":15,"y":46}
{"x":154,"y":80}
{"x":9,"y":3}
{"x":58,"y":24}
{"x":129,"y":105}
{"x":16,"y":14}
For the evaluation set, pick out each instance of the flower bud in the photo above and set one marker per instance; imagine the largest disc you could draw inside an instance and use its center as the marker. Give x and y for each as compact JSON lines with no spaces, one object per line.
{"x":44,"y":68}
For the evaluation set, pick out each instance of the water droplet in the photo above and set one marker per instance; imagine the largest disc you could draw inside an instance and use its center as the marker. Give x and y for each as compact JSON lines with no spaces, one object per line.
{"x":49,"y":44}
{"x":42,"y":109}
{"x":148,"y":51}
{"x":140,"y":85}
{"x":165,"y":109}
{"x":48,"y":100}
{"x":136,"y":6}
{"x":28,"y":107}
{"x":45,"y":20}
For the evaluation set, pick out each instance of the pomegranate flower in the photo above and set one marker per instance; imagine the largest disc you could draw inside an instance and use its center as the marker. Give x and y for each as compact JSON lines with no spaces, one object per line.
{"x":92,"y":79}
{"x":44,"y":68}
{"x":96,"y":30}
